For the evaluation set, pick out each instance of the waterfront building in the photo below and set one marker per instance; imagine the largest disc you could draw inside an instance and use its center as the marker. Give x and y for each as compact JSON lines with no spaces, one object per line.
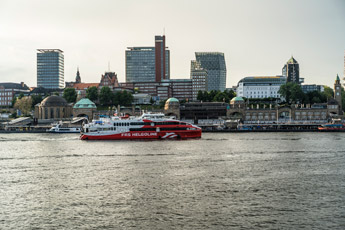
{"x":50,"y":68}
{"x":312,"y":87}
{"x":53,"y":107}
{"x":199,"y":79}
{"x":260,"y":86}
{"x":291,"y":71}
{"x":9,"y":90}
{"x":84,"y":108}
{"x":148,"y":64}
{"x":214,"y":64}
{"x":172,"y":107}
{"x":196,"y":111}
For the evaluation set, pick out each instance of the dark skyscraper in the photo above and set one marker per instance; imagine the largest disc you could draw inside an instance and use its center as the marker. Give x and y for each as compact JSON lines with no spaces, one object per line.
{"x":160,"y":58}
{"x":291,"y":71}
{"x":148,"y":64}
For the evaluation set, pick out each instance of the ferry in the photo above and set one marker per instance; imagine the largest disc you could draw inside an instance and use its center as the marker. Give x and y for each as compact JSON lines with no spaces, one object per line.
{"x":60,"y":128}
{"x":147,"y":126}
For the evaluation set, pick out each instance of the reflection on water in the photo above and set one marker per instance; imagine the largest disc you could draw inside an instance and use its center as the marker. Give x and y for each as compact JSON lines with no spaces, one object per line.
{"x":223,"y":181}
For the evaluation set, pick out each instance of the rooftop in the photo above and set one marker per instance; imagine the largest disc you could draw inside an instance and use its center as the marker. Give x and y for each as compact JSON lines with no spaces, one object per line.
{"x":49,"y":50}
{"x":84,"y":103}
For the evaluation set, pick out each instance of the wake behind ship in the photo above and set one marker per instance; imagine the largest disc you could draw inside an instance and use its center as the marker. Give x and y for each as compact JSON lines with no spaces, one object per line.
{"x":148,"y":126}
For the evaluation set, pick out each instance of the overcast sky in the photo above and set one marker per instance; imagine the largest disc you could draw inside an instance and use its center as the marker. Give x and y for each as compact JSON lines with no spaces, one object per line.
{"x":256,"y":36}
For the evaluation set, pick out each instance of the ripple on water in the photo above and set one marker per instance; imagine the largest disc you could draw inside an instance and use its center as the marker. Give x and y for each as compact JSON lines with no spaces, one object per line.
{"x":222,"y":181}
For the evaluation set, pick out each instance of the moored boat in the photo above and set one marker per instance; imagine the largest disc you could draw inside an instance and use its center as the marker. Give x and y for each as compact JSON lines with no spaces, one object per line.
{"x":60,"y":128}
{"x":147,"y":126}
{"x":334,"y":127}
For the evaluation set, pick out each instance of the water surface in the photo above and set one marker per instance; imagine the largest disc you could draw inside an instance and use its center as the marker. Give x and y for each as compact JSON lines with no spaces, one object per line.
{"x":222,"y":181}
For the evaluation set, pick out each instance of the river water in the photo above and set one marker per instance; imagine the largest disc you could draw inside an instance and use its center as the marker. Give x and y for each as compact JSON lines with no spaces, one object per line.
{"x":221,"y":181}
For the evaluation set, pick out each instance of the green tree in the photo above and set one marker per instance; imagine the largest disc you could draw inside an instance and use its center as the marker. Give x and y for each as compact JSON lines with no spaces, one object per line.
{"x":24,"y":105}
{"x":297,"y":94}
{"x":70,"y":95}
{"x":200,"y":96}
{"x":328,"y":92}
{"x":35,"y":100}
{"x":92,"y":93}
{"x":230,"y":93}
{"x":116,"y":99}
{"x":126,"y":98}
{"x":221,"y":97}
{"x":105,"y":96}
{"x":292,"y":92}
{"x":212,"y":94}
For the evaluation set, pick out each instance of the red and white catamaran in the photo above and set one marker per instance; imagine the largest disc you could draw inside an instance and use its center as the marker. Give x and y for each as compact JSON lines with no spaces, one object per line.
{"x":147,"y":126}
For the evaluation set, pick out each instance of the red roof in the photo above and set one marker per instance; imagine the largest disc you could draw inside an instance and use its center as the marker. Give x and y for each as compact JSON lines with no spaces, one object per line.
{"x":80,"y":86}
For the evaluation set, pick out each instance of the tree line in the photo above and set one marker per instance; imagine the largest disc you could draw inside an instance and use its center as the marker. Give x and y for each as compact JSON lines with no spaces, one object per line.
{"x":216,"y":96}
{"x":105,"y":97}
{"x":293,"y":93}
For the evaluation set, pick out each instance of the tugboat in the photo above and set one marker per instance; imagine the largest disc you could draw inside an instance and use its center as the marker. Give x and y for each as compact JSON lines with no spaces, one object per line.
{"x":147,"y":126}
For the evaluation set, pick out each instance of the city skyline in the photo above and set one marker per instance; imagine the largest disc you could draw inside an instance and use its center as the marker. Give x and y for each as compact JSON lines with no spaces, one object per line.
{"x":257,"y":38}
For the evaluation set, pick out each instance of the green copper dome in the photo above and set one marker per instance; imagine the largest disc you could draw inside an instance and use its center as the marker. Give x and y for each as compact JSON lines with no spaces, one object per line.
{"x":235,"y":99}
{"x":172,"y":99}
{"x":84,"y":103}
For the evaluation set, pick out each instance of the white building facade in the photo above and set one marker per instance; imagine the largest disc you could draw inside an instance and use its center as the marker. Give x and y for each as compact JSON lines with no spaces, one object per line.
{"x":260,"y":87}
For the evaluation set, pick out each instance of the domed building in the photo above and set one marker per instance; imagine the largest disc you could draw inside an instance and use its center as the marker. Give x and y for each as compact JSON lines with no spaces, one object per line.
{"x":84,"y":108}
{"x":53,"y":107}
{"x":237,"y":102}
{"x":172,"y":107}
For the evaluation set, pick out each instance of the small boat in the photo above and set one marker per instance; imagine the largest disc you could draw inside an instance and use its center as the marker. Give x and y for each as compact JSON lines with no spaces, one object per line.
{"x":59,"y":128}
{"x":331,"y":127}
{"x":147,"y":126}
{"x":334,"y":126}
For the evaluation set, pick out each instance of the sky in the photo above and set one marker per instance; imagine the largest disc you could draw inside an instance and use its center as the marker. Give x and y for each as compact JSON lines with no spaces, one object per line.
{"x":257,"y":37}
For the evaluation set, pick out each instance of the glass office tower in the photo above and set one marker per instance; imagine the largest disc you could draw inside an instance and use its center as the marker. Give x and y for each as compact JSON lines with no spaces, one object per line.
{"x":214,"y":64}
{"x":148,"y":64}
{"x":50,"y":69}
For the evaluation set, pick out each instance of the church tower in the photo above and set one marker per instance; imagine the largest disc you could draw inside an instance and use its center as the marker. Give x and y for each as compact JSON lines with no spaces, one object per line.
{"x":337,"y":94}
{"x":77,"y":78}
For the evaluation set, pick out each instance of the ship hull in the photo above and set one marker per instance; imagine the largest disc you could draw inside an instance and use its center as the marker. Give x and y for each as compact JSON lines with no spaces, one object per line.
{"x":142,"y":135}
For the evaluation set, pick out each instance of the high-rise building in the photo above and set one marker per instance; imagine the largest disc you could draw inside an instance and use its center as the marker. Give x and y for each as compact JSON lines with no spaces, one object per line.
{"x":50,"y":68}
{"x":199,"y":79}
{"x":148,"y":64}
{"x":214,"y":64}
{"x":291,"y":71}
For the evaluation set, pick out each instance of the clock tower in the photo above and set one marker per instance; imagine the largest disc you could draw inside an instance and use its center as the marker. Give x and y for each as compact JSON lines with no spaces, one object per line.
{"x":337,"y":94}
